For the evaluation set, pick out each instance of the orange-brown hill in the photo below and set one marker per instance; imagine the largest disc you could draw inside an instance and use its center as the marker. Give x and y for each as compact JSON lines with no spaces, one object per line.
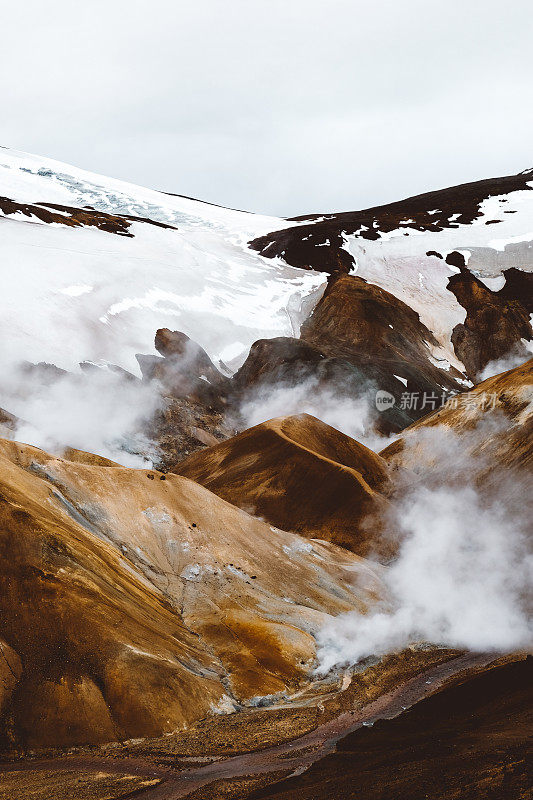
{"x":301,"y":475}
{"x":133,"y":603}
{"x":492,"y":425}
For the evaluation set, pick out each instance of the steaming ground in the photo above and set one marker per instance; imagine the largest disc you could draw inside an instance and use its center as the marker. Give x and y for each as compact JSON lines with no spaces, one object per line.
{"x":99,"y":411}
{"x":513,"y":359}
{"x":354,"y":416}
{"x":464,"y":568}
{"x":104,"y":412}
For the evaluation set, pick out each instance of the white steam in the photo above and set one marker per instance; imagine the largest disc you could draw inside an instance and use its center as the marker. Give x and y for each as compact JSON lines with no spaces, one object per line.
{"x":98,"y":411}
{"x":462,"y":577}
{"x":354,"y":416}
{"x":515,"y":358}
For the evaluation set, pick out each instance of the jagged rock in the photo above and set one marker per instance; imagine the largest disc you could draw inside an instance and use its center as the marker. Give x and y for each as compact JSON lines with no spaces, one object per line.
{"x":494,"y":324}
{"x":43,"y":372}
{"x":194,"y":410}
{"x":518,"y":286}
{"x":185,"y":370}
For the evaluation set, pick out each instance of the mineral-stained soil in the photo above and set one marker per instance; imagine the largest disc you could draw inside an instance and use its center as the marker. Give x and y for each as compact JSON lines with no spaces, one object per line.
{"x":72,"y":784}
{"x":133,"y":603}
{"x":301,"y":475}
{"x":139,"y":605}
{"x":493,"y":424}
{"x":159,"y":627}
{"x":375,"y":705}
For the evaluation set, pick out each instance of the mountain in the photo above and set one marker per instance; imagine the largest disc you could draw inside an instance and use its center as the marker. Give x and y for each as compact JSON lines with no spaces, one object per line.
{"x":264,"y":493}
{"x":122,"y":261}
{"x":442,"y":253}
{"x":417,"y":298}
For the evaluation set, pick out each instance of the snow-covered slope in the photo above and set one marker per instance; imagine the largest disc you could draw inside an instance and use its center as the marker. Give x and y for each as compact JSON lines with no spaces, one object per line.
{"x":399,"y":262}
{"x":83,"y":293}
{"x":402,"y":247}
{"x":92,"y":267}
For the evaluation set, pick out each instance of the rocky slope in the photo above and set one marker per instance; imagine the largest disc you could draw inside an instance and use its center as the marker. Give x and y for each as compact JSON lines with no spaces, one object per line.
{"x":133,"y":603}
{"x":416,"y":248}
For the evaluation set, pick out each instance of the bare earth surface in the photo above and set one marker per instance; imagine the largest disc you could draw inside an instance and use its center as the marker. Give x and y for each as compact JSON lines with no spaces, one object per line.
{"x":117,"y":775}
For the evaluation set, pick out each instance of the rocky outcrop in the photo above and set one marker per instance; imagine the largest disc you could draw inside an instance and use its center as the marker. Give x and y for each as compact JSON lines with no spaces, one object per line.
{"x":518,"y":286}
{"x":55,"y":213}
{"x":496,"y":322}
{"x":279,"y":360}
{"x":286,"y":363}
{"x":374,"y":329}
{"x":184,"y":370}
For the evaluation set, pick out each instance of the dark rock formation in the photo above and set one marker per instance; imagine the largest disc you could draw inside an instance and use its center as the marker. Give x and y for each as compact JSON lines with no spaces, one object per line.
{"x":495,"y":323}
{"x":370,"y":327}
{"x":303,"y":245}
{"x":194,"y":412}
{"x":184,"y":370}
{"x":518,"y":286}
{"x":359,"y":339}
{"x":76,"y":217}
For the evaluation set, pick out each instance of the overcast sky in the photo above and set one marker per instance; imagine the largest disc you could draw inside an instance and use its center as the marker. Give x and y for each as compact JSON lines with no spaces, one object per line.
{"x":280,"y":106}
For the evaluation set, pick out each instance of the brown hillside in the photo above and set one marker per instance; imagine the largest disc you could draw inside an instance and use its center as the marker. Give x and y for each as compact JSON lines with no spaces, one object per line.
{"x":493,"y":423}
{"x":132,"y":603}
{"x":301,"y":475}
